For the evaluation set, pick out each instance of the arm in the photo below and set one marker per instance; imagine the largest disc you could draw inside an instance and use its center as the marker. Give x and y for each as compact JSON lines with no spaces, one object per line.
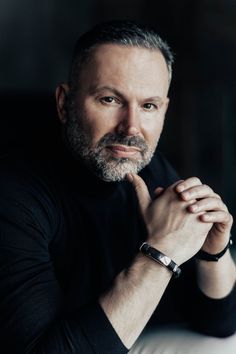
{"x":215,"y":279}
{"x":32,"y":302}
{"x":216,"y":303}
{"x":137,"y":291}
{"x":134,"y":296}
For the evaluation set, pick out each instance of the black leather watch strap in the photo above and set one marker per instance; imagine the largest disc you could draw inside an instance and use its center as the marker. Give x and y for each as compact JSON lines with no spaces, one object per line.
{"x":160,"y":258}
{"x":212,"y":257}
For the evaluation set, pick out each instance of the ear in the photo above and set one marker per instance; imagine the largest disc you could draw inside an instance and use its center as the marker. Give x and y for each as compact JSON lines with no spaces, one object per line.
{"x":61,"y":96}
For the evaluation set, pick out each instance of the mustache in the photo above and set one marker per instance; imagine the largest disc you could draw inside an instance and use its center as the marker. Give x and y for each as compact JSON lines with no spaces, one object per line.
{"x":123,"y":139}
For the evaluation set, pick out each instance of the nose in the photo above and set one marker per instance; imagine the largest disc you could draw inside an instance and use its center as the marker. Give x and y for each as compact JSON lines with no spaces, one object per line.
{"x":129,"y":123}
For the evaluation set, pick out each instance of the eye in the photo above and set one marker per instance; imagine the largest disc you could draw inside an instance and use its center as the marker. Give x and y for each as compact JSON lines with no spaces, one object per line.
{"x":109,"y":100}
{"x":150,"y":106}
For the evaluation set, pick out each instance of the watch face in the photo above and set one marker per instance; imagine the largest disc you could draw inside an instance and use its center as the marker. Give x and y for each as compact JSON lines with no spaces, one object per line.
{"x":165,"y":260}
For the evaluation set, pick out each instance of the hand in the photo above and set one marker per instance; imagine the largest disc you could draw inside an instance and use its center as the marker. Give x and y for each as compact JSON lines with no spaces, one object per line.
{"x":171,"y":228}
{"x":207,"y":202}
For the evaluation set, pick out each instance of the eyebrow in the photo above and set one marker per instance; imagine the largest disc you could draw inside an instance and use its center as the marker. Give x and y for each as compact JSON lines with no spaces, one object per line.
{"x":97,"y":89}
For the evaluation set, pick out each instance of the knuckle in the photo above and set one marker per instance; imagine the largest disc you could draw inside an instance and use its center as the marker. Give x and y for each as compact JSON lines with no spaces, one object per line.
{"x":196,"y":180}
{"x":138,"y":186}
{"x":208,"y":188}
{"x":138,"y":183}
{"x":231,"y":219}
{"x":218,"y":201}
{"x":227,"y":217}
{"x":225,"y":208}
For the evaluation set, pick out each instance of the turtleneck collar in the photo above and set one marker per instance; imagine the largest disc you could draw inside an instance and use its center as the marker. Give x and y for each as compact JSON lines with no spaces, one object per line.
{"x":78,"y":176}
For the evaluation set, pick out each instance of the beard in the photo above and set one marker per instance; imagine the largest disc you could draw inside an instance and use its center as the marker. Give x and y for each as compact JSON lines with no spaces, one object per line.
{"x":97,"y":158}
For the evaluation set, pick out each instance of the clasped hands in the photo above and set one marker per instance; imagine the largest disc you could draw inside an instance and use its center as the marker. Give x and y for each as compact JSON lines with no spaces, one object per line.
{"x":184,"y":218}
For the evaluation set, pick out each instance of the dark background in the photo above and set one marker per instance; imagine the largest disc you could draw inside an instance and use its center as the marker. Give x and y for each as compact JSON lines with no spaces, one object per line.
{"x":36,"y":42}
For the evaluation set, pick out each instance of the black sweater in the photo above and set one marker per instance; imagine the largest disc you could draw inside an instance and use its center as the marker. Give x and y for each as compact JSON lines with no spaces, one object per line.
{"x":64,"y":236}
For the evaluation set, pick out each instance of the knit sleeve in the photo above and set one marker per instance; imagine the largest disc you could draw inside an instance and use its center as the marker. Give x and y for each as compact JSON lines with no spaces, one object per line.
{"x":31,"y":299}
{"x":214,"y":317}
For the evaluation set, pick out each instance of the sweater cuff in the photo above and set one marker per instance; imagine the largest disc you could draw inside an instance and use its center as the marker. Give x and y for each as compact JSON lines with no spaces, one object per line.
{"x":217,"y":317}
{"x":99,"y":332}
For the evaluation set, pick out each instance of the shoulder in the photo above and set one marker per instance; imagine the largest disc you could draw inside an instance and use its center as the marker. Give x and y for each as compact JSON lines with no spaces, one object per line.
{"x":165,"y":168}
{"x":25,"y":191}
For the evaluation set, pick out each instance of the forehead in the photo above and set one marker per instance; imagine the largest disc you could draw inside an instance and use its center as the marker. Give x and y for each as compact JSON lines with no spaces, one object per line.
{"x":127,"y":68}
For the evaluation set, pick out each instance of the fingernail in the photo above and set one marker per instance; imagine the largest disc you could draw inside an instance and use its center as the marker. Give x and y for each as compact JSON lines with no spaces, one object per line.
{"x":206,"y":217}
{"x":194,"y":207}
{"x":180,"y":188}
{"x":186,"y":195}
{"x":129,"y":177}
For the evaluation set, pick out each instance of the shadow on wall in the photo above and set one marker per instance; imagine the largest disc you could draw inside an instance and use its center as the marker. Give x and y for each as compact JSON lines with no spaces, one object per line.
{"x":28,"y":120}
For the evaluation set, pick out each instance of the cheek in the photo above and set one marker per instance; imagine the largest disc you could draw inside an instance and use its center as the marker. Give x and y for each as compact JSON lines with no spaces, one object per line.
{"x":152,"y":130}
{"x":95,"y":124}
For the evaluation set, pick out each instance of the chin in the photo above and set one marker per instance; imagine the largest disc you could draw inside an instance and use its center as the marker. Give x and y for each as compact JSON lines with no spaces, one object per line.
{"x":116,"y":171}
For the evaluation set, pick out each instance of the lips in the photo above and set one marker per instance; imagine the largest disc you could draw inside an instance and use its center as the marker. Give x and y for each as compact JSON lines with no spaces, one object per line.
{"x":122,"y":150}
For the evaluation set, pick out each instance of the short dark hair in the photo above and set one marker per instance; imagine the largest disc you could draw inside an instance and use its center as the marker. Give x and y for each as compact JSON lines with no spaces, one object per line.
{"x":126,"y":33}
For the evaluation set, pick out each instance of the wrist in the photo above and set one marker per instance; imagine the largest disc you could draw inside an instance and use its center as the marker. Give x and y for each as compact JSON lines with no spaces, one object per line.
{"x":210,"y":257}
{"x":168,"y":249}
{"x":150,"y":269}
{"x":160,"y":258}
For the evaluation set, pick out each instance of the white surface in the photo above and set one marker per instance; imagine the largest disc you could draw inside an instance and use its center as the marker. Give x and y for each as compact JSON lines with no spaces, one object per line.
{"x":182,"y":341}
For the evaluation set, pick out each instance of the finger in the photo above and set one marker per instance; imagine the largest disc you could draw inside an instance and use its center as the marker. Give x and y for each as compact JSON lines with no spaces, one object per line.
{"x":158,"y":191}
{"x":141,"y":190}
{"x":175,"y":184}
{"x":198,"y":192}
{"x":207,"y":204}
{"x":217,"y":217}
{"x":188,"y":183}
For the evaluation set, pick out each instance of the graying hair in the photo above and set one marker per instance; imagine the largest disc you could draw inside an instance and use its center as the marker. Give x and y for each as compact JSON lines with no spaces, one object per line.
{"x":125,"y":33}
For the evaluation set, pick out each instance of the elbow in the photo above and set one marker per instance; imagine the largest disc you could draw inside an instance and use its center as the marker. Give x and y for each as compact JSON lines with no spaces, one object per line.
{"x":224,"y":333}
{"x":217,"y":332}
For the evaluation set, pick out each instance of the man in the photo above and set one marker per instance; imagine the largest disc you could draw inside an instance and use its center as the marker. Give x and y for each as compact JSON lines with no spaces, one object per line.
{"x":75,"y":274}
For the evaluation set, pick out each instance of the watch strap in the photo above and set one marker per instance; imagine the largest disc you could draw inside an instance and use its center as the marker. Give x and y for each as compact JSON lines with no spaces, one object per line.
{"x":205,"y":256}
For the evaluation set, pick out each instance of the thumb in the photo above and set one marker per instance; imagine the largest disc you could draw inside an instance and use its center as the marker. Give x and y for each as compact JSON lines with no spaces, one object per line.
{"x":141,"y":190}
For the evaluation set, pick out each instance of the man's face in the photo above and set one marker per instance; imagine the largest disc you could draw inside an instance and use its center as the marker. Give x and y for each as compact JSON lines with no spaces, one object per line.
{"x":117,"y":114}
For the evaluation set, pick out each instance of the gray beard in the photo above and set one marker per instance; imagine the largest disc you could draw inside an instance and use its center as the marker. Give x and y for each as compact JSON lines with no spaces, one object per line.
{"x":98,"y":160}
